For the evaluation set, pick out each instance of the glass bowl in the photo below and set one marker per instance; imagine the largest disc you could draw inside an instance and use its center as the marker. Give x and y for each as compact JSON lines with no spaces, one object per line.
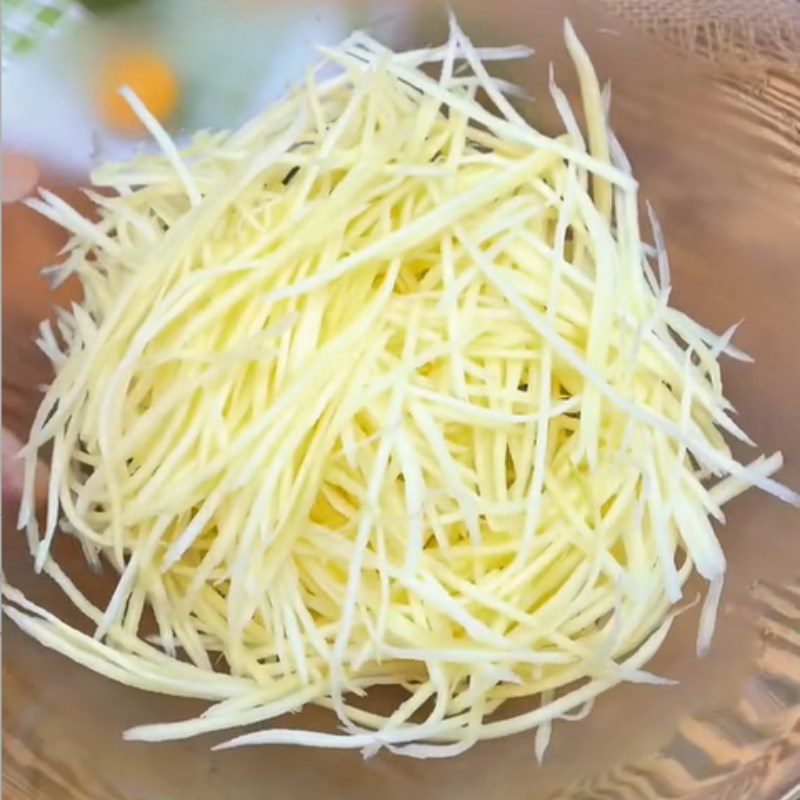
{"x":706,"y":99}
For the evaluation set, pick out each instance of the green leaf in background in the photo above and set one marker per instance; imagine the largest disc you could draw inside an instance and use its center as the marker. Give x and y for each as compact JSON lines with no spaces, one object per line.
{"x":27,"y":22}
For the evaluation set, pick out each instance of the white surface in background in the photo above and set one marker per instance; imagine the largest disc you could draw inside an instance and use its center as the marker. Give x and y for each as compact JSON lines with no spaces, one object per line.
{"x":45,"y":115}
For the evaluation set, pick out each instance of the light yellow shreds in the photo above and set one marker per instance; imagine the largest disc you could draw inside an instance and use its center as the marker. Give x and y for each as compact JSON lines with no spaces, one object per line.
{"x":383,"y":388}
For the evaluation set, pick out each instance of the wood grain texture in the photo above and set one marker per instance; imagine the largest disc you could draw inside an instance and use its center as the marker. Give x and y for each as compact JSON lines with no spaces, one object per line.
{"x":716,"y":146}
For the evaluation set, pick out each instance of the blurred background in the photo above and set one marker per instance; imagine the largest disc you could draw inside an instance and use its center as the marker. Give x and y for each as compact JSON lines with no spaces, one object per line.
{"x":212,"y":63}
{"x":194,"y":63}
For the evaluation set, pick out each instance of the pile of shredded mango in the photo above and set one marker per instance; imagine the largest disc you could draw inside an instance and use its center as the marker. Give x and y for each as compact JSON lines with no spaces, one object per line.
{"x":383,"y":388}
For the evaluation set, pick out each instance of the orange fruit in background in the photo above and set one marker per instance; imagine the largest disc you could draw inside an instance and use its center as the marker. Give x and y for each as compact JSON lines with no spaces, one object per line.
{"x":149,"y":76}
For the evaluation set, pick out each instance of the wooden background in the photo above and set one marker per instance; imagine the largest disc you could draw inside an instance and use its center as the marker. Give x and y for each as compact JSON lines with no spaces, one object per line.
{"x":715,"y":140}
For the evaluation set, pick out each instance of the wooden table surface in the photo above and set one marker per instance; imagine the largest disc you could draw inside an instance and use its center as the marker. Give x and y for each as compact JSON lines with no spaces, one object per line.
{"x":717,"y":149}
